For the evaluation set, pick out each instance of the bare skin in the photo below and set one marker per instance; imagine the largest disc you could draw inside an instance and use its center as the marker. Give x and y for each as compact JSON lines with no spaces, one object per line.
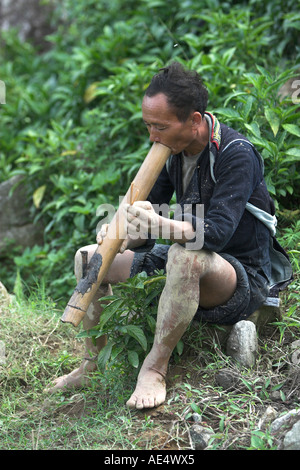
{"x":177,"y":307}
{"x":197,"y":271}
{"x":81,"y":376}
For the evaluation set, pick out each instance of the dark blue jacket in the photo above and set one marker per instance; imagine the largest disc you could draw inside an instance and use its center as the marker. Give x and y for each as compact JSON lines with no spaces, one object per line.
{"x":228,"y":226}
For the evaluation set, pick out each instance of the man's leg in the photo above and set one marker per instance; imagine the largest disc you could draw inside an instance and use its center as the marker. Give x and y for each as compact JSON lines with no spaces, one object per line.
{"x":188,"y":273}
{"x":119,"y":272}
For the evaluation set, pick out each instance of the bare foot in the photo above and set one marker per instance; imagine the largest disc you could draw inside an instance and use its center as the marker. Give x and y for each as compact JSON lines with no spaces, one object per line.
{"x":150,"y":390}
{"x":76,"y":379}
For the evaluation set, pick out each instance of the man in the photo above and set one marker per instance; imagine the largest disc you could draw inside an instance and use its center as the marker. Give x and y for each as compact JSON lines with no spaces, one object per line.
{"x":223,"y":281}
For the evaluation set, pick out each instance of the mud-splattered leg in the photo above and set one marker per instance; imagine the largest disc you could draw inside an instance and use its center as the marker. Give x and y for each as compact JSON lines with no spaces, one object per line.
{"x":80,"y":376}
{"x":177,"y":306}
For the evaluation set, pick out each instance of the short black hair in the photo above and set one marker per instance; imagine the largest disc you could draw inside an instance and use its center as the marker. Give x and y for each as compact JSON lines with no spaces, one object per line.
{"x":183,"y":88}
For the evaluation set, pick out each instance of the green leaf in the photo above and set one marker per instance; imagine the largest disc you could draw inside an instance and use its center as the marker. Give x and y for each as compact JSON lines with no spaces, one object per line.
{"x":256,"y":440}
{"x":133,"y":358}
{"x":137,"y":333}
{"x":229,"y":113}
{"x":104,"y":355}
{"x":38,"y":195}
{"x":228,"y":55}
{"x":247,"y":107}
{"x":292,"y":129}
{"x":293,"y":153}
{"x":273,"y":120}
{"x":254,"y":129}
{"x":91,"y":92}
{"x":116,"y":351}
{"x":151,"y":323}
{"x":109,"y":311}
{"x":179,"y":347}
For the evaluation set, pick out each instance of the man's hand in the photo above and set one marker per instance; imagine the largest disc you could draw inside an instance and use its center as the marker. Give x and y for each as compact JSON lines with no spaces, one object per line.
{"x":136,"y":227}
{"x":141,"y":219}
{"x":103,"y":233}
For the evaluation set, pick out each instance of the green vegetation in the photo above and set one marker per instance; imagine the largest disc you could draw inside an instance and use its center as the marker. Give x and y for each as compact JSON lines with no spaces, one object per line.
{"x":72,"y":122}
{"x":39,"y":349}
{"x":72,"y":127}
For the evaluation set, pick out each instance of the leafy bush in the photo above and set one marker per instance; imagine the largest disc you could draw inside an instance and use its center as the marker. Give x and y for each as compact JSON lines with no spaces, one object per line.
{"x":72,"y":123}
{"x":129,"y":320}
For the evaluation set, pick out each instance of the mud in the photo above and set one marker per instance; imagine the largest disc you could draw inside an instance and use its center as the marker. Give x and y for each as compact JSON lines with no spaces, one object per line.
{"x":86,"y":283}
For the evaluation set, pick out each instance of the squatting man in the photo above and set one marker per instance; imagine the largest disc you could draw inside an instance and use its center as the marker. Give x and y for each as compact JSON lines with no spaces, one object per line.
{"x":225,"y":281}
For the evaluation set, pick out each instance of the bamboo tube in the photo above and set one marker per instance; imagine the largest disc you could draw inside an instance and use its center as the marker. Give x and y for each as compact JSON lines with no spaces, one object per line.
{"x":105,"y":253}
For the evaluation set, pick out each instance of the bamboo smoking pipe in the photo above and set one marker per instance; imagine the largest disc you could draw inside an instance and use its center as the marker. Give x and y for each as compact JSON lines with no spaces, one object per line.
{"x":105,"y":253}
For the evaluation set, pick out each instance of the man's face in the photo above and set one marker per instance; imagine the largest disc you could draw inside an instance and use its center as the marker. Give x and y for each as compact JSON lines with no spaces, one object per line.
{"x":164,"y":126}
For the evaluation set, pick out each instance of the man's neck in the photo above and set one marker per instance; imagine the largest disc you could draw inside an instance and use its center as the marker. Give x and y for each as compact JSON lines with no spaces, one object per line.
{"x":201,"y":140}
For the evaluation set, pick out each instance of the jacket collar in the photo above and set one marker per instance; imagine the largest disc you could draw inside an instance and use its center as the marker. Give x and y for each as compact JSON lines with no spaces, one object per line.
{"x":214,"y":130}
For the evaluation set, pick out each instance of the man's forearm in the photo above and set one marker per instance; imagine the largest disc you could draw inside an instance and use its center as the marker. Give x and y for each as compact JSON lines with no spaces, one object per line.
{"x":176,"y":230}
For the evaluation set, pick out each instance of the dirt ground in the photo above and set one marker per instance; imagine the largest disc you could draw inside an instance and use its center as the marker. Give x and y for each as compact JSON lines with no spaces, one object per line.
{"x":233,"y":411}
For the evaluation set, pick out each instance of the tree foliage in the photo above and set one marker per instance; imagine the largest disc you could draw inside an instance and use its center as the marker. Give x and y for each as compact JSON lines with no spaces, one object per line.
{"x":72,"y":122}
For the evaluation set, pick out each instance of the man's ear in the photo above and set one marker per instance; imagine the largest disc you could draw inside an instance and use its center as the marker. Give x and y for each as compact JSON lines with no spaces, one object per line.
{"x":196,"y":118}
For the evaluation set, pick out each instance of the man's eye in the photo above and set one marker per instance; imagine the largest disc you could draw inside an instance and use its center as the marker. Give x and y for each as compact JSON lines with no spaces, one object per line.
{"x":156,"y":127}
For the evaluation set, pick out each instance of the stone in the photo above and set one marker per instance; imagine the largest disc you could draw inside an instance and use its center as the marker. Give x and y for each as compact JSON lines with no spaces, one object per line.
{"x":30,"y":18}
{"x":200,"y":436}
{"x":268,"y":416}
{"x":228,"y":379}
{"x":291,"y":440}
{"x":196,"y":418}
{"x":269,"y":312}
{"x":16,"y":222}
{"x":295,"y":356}
{"x":284,"y":422}
{"x":242,"y":343}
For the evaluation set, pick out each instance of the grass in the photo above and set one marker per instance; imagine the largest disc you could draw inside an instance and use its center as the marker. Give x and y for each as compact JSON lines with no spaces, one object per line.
{"x":39,"y":347}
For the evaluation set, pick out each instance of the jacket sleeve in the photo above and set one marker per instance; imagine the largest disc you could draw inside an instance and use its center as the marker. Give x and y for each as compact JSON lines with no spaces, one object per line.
{"x":237,"y":173}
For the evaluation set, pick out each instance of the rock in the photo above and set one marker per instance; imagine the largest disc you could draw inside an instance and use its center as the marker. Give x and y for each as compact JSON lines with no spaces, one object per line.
{"x":30,"y":17}
{"x":200,"y":436}
{"x":291,"y":440}
{"x":15,"y":218}
{"x":268,"y":416}
{"x":285,"y":422}
{"x":227,"y":379}
{"x":269,"y":312}
{"x":196,"y":418}
{"x":242,"y":343}
{"x":295,"y":357}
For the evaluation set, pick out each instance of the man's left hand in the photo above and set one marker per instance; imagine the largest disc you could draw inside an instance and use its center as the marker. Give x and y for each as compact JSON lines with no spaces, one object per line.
{"x":141,"y":219}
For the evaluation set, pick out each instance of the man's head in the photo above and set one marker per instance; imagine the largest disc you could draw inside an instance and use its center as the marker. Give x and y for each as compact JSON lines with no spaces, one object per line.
{"x":183,"y":88}
{"x":173,"y":109}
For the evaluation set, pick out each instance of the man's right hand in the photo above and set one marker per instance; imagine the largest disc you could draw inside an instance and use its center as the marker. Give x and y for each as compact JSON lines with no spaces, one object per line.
{"x":127,"y":243}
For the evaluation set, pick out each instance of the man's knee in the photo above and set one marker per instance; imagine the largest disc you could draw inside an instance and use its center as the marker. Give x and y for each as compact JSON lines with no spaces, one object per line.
{"x":190,"y":260}
{"x":82,"y":256}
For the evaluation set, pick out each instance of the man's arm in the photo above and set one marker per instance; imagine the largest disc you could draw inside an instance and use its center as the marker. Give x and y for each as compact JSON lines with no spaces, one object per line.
{"x":142,"y":220}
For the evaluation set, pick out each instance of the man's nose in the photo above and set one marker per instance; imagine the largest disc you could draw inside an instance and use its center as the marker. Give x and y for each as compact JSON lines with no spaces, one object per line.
{"x":153,"y":135}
